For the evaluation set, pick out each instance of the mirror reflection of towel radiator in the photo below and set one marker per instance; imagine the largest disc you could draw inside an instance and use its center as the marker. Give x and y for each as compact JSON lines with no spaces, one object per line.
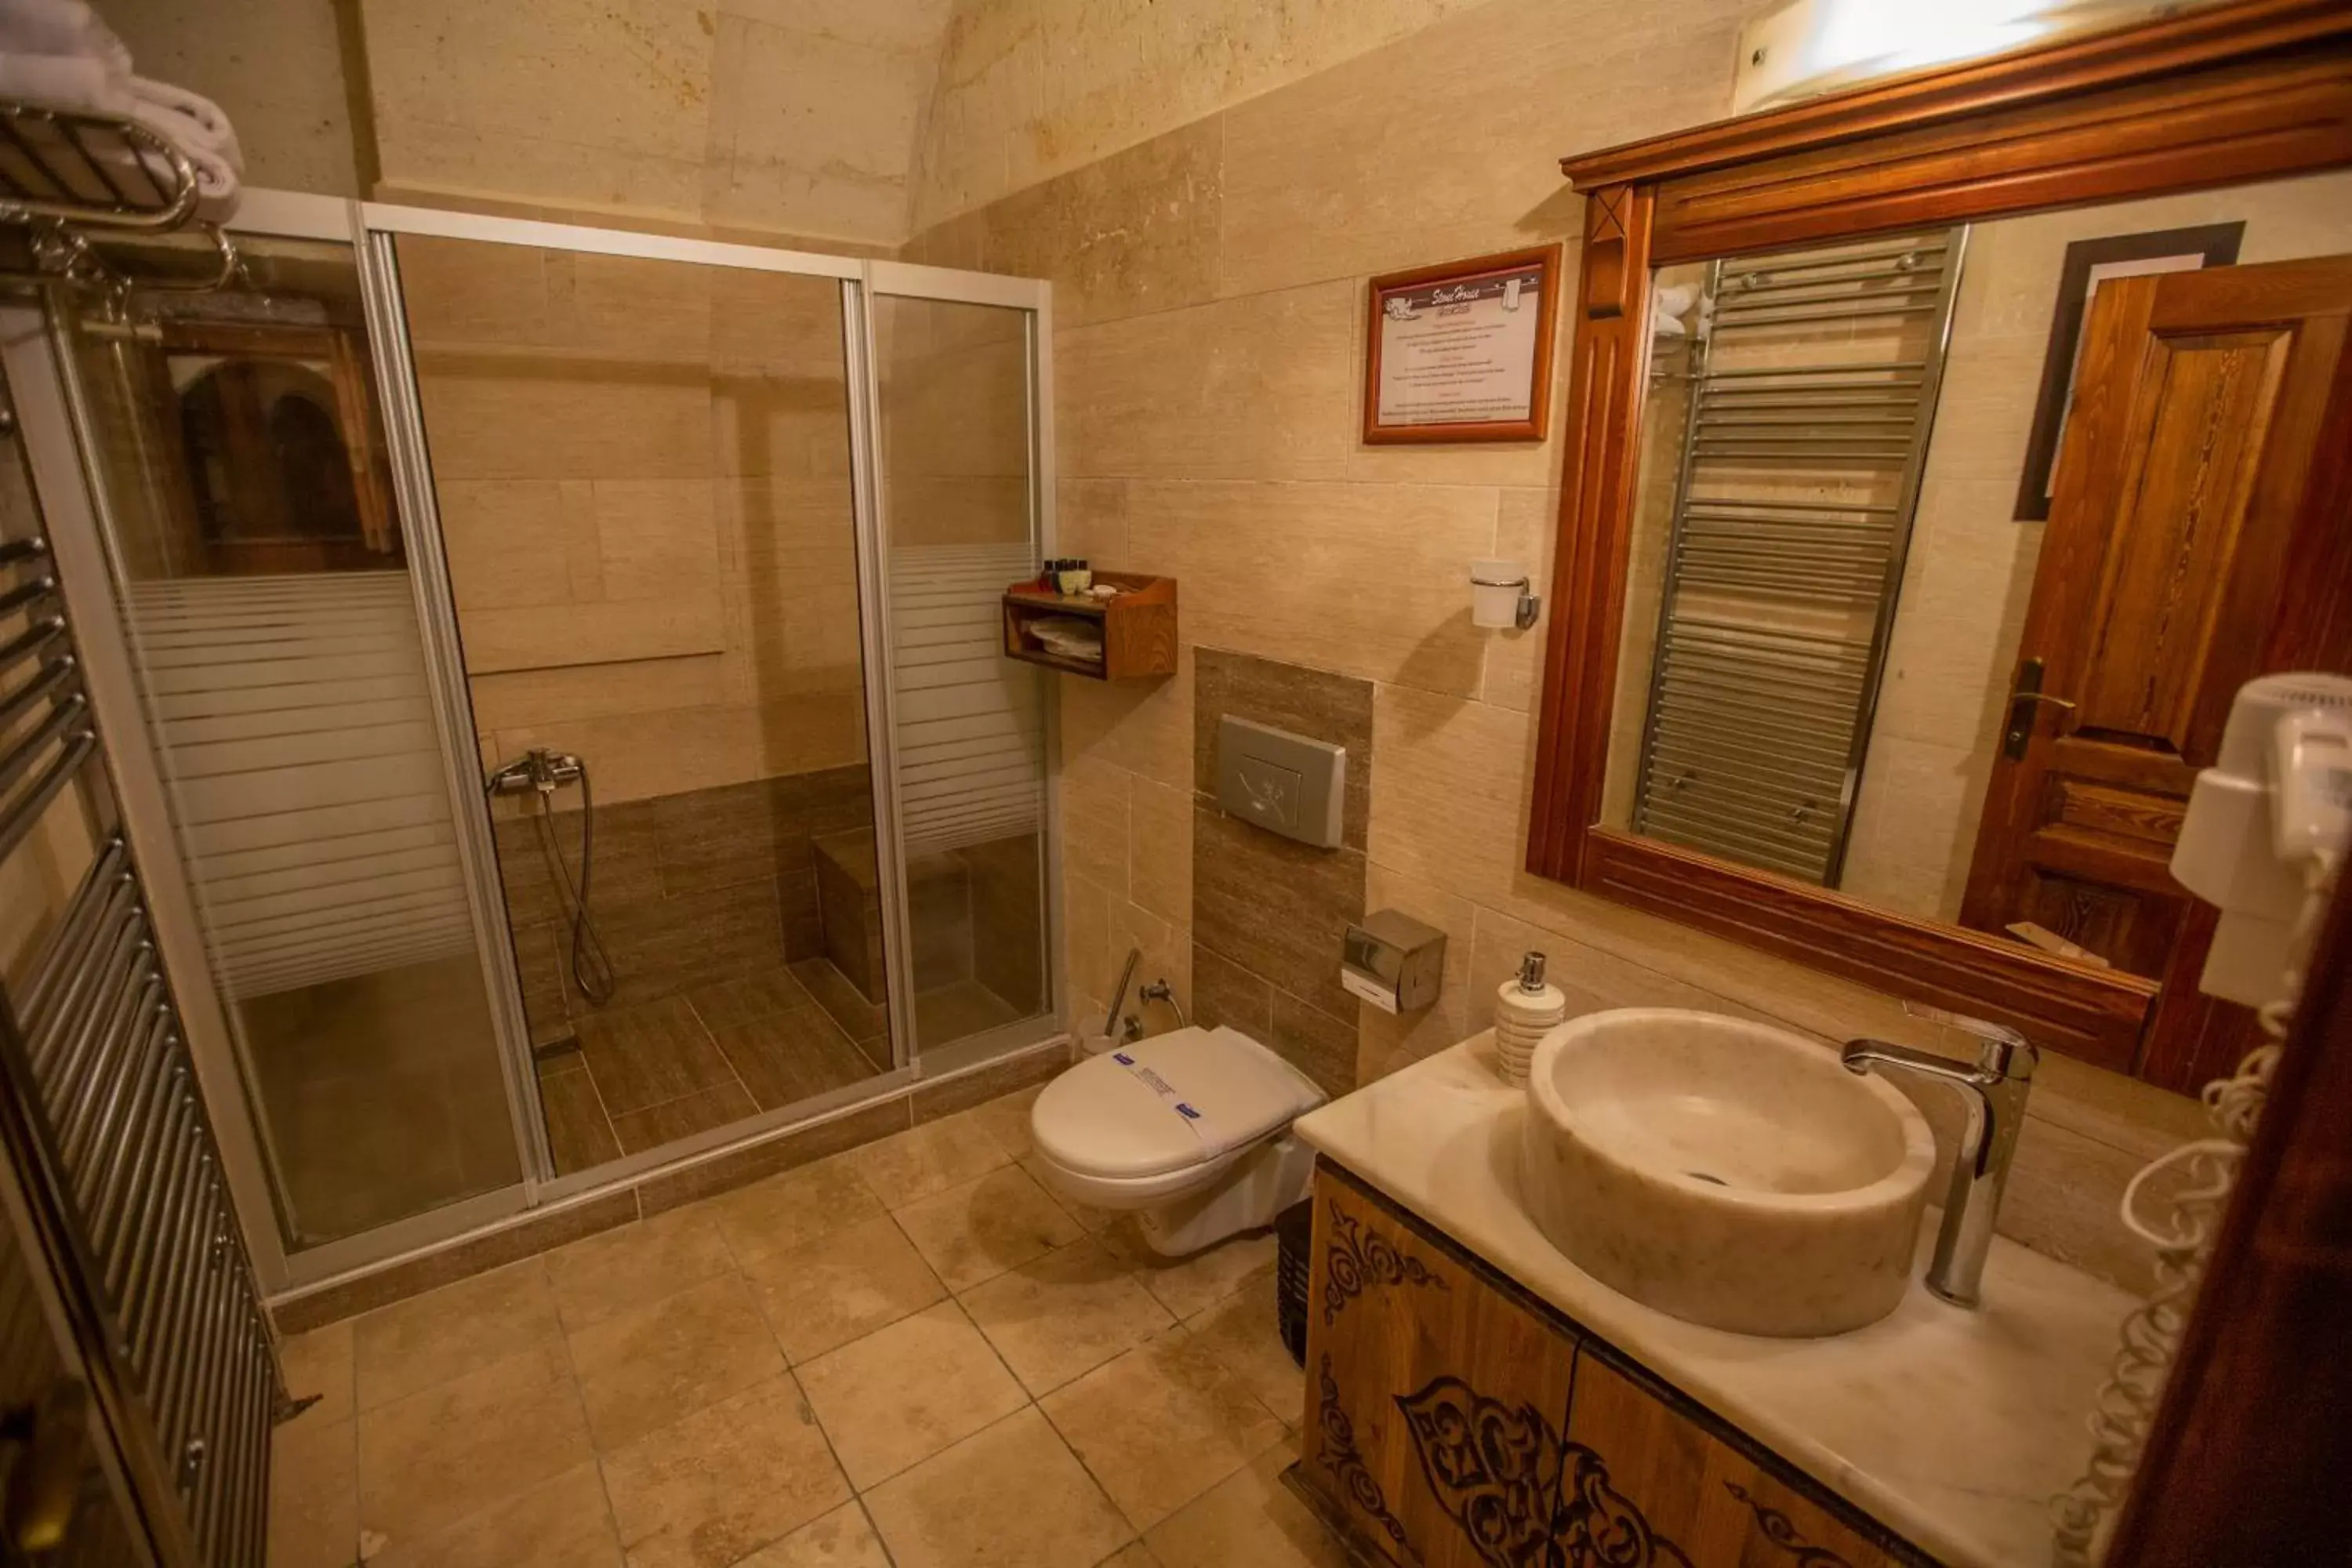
{"x":1777,"y":598}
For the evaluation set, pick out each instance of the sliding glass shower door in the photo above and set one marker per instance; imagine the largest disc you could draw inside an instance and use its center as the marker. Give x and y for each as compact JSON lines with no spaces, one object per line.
{"x":961,"y":522}
{"x":642,"y":471}
{"x":235,"y":453}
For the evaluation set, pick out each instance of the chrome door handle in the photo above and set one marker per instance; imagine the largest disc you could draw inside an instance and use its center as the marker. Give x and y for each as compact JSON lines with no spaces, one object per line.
{"x":2022,"y":704}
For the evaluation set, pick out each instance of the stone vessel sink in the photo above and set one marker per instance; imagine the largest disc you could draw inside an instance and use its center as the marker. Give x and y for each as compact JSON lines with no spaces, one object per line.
{"x":1727,"y":1172}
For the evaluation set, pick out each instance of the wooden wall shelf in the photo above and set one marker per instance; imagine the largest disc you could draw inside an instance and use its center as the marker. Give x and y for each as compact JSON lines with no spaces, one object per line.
{"x":1139,"y":626}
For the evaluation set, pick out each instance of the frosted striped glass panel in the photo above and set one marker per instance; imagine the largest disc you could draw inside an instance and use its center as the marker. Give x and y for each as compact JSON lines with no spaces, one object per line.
{"x":971,"y":729}
{"x":959,"y":524}
{"x":296,"y":731}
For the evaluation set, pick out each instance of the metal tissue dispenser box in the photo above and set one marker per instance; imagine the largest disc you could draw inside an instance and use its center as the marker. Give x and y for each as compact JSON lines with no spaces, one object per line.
{"x":1393,"y":961}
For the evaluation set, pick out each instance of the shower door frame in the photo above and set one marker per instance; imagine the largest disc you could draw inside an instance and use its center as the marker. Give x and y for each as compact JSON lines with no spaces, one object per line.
{"x":74,"y":501}
{"x":910,"y":281}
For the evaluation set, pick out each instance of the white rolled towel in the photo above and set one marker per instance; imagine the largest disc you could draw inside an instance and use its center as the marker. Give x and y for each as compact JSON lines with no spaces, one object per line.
{"x":217,"y":182}
{"x":206,"y":126}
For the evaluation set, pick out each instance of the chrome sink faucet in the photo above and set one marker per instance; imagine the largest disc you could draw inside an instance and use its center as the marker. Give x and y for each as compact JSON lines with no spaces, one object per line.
{"x":1993,"y":1091}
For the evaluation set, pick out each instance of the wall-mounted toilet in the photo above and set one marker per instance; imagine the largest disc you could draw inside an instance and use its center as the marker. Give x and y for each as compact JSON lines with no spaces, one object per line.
{"x":1190,"y":1130}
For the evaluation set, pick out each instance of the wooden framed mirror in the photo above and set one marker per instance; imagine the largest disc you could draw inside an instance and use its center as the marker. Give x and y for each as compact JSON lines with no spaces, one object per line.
{"x":1818,"y":680}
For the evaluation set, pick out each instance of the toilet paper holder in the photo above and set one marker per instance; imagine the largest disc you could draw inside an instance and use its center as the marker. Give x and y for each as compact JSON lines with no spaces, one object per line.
{"x":1393,"y":961}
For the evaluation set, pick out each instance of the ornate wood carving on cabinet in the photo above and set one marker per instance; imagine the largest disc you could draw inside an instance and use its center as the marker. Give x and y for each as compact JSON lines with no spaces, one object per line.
{"x":1456,"y":1425}
{"x":1438,"y":1400}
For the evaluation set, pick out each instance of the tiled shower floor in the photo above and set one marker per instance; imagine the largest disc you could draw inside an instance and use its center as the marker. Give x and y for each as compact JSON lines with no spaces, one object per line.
{"x":908,"y":1354}
{"x":646,"y":1074}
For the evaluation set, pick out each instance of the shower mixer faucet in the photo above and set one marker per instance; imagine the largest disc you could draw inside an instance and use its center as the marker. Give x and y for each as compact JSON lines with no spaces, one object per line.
{"x":539,"y":769}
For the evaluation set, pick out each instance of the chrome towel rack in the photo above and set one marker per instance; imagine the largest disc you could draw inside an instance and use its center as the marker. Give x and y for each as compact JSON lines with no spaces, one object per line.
{"x":1801,"y":465}
{"x":76,"y":179}
{"x":113,"y":1137}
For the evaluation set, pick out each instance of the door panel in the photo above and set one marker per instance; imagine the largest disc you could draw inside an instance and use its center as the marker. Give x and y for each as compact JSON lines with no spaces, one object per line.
{"x":2201,"y":421}
{"x":2197,"y":417}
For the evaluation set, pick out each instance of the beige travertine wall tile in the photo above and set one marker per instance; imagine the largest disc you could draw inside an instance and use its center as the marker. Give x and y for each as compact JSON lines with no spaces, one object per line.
{"x":1360,"y":579}
{"x":541,"y":636}
{"x":513,"y":700}
{"x":276,"y":66}
{"x":507,"y":542}
{"x":1090,"y":520}
{"x":809,"y":129}
{"x":1095,"y":822}
{"x":1390,"y":159}
{"x":1143,"y":726}
{"x":1031,"y":88}
{"x":1256,"y":387}
{"x":1086,"y":951}
{"x":657,"y":538}
{"x":1130,"y":234}
{"x":1160,"y":862}
{"x":511,"y":417}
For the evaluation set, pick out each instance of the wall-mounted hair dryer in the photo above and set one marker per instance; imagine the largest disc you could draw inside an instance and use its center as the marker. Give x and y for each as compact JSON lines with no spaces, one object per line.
{"x":2266,"y":828}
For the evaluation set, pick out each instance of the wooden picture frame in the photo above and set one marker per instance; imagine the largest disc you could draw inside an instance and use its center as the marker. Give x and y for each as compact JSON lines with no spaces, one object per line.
{"x":2206,"y":245}
{"x":1388,"y":295}
{"x":2213,"y":97}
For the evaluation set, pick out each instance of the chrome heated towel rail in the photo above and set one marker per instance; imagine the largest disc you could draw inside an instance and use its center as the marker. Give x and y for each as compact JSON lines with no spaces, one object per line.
{"x":1813,"y":391}
{"x":104,"y":1094}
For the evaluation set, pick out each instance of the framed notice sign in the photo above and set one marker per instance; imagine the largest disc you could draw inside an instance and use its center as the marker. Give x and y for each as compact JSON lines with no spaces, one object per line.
{"x":1461,"y":351}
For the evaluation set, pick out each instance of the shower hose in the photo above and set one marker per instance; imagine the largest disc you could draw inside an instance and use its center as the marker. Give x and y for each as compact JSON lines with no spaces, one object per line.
{"x":591,"y":967}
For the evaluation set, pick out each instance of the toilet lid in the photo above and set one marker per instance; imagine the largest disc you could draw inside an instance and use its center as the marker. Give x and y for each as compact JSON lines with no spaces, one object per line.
{"x":1175,"y":1100}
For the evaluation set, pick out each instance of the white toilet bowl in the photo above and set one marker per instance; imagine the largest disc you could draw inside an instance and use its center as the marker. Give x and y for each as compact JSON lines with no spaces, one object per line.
{"x":1191,"y":1130}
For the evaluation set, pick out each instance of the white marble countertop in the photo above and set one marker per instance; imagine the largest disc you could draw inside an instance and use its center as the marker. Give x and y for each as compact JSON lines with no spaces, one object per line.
{"x":1951,"y":1428}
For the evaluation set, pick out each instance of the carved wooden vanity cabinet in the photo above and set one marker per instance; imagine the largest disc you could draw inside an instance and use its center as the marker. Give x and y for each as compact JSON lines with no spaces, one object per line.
{"x":1454,"y":1422}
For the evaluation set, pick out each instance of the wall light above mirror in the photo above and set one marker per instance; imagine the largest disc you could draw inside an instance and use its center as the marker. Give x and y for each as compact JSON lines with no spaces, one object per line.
{"x":1836,"y":671}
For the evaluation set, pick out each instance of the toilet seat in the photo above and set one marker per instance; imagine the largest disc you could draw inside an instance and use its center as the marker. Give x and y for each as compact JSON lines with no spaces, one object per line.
{"x":1156,"y":1117}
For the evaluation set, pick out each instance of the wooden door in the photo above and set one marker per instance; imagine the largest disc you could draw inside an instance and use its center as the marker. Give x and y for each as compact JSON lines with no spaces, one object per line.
{"x":2176,"y":532}
{"x":1434,"y":1400}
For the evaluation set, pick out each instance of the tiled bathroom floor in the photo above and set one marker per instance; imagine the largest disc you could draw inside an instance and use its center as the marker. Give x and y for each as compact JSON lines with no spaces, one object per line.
{"x":907,"y":1355}
{"x":668,"y":1069}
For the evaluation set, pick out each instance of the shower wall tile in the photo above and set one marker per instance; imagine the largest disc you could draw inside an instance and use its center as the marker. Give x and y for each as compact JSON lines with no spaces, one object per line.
{"x":487,"y":420}
{"x":511,"y":700}
{"x":642,"y":471}
{"x":691,"y":889}
{"x":541,"y":636}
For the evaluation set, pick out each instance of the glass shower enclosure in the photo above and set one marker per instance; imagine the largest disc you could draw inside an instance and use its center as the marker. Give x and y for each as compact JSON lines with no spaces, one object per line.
{"x":568,"y":661}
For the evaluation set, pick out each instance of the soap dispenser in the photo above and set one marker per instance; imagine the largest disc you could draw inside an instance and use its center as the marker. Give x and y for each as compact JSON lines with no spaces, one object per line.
{"x":1527,"y":1006}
